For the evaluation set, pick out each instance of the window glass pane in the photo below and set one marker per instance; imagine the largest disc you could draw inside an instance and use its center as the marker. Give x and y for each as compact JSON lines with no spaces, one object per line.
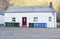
{"x":35,"y":17}
{"x":13,"y":18}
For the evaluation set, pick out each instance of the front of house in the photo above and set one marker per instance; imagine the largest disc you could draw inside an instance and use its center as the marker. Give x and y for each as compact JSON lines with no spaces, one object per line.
{"x":1,"y":17}
{"x":31,"y":16}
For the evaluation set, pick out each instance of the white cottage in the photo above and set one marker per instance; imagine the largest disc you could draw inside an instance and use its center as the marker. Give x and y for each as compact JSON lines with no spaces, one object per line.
{"x":1,"y":17}
{"x":32,"y":16}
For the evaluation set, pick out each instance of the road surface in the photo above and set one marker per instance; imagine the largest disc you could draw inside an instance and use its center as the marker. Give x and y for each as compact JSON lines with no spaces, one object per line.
{"x":29,"y":33}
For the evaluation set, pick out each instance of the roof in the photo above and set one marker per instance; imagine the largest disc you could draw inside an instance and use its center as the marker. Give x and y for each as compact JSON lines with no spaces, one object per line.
{"x":30,"y":9}
{"x":1,"y":12}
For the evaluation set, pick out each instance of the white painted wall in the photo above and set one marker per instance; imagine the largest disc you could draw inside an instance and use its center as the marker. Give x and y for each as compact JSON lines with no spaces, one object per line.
{"x":1,"y":19}
{"x":43,"y":18}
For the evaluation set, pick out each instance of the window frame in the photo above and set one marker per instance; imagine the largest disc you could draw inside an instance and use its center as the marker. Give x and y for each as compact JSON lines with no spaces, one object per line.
{"x":13,"y":19}
{"x":35,"y":19}
{"x":50,"y":19}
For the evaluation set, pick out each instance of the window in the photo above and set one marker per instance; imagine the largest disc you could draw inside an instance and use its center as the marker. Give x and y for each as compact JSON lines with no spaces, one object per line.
{"x":13,"y":19}
{"x":50,"y":18}
{"x":35,"y":19}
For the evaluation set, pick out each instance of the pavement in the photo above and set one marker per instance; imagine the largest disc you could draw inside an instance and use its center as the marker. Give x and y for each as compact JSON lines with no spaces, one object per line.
{"x":29,"y":33}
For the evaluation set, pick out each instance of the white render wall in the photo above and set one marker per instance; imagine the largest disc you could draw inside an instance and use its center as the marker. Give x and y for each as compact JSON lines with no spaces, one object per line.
{"x":42,"y":18}
{"x":1,"y":19}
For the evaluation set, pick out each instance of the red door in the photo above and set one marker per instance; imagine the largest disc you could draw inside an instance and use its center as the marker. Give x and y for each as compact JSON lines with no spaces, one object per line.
{"x":24,"y":21}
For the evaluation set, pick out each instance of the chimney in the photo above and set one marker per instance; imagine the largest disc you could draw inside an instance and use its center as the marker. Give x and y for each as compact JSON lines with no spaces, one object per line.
{"x":51,"y":3}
